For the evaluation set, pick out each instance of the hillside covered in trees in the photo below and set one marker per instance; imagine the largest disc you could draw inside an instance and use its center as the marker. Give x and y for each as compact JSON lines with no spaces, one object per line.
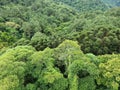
{"x":59,"y":45}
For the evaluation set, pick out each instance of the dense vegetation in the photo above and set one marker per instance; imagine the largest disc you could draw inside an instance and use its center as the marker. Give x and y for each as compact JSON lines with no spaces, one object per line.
{"x":86,"y":5}
{"x":59,"y":45}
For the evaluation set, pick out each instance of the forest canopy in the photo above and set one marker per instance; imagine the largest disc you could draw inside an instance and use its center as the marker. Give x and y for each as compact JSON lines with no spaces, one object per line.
{"x":59,"y":44}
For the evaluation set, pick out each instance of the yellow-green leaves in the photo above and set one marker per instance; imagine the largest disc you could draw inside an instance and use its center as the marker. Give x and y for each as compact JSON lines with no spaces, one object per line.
{"x":10,"y":82}
{"x":110,"y":73}
{"x":63,"y":68}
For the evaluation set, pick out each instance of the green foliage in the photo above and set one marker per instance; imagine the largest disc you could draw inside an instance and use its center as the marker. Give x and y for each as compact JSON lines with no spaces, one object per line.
{"x":85,"y":72}
{"x":48,"y":77}
{"x":100,"y":32}
{"x":112,"y":3}
{"x":39,"y":41}
{"x":13,"y":67}
{"x":8,"y":33}
{"x":85,"y":5}
{"x":50,"y":45}
{"x":22,"y":42}
{"x":30,"y":87}
{"x":67,"y":52}
{"x":48,"y":23}
{"x":63,"y":68}
{"x":110,"y":74}
{"x":9,"y":83}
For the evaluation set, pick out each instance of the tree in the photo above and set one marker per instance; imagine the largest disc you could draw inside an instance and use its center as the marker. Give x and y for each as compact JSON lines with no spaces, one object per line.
{"x":109,"y":74}
{"x":39,"y":41}
{"x":13,"y":69}
{"x":82,"y":75}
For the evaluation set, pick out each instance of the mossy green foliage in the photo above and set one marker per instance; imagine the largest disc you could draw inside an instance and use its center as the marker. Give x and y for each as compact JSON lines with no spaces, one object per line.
{"x":24,"y":68}
{"x":110,"y":73}
{"x":48,"y":23}
{"x":52,"y":45}
{"x":85,"y":5}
